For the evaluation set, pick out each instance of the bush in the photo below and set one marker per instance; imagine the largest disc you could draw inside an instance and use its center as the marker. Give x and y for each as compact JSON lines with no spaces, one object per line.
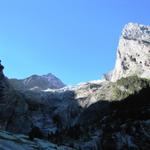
{"x":131,"y":85}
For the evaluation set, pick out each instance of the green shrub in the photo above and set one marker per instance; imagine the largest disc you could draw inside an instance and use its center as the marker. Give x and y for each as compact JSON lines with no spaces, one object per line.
{"x":133,"y":83}
{"x":130,"y":84}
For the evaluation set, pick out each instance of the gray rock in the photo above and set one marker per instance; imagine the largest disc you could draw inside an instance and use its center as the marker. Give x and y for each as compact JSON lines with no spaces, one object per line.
{"x":133,"y":54}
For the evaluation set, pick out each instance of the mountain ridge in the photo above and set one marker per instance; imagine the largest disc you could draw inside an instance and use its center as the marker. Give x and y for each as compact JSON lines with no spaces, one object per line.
{"x":38,"y":82}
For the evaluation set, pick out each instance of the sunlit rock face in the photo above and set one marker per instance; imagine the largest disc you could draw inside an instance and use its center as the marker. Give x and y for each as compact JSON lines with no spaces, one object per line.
{"x":133,"y":54}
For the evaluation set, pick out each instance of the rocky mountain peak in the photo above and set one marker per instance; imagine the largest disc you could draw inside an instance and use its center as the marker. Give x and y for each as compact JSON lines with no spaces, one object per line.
{"x":133,"y":54}
{"x":136,"y":31}
{"x":38,"y":83}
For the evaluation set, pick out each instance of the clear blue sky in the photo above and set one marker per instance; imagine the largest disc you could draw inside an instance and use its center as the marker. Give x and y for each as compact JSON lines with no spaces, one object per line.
{"x":74,"y":39}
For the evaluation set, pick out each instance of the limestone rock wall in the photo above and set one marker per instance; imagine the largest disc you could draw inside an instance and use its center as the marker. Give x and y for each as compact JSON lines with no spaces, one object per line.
{"x":133,"y":54}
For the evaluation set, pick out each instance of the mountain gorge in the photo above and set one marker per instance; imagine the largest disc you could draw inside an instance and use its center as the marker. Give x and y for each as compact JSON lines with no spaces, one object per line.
{"x":40,"y":112}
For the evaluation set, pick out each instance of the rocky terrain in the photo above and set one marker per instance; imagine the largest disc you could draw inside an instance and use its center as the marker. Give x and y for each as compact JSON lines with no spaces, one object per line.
{"x":9,"y":141}
{"x":113,"y":113}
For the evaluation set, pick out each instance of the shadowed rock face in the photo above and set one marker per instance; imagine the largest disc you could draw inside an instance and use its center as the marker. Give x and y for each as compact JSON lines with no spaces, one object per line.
{"x":1,"y":71}
{"x":133,"y":55}
{"x":21,"y":110}
{"x":12,"y":107}
{"x":1,"y":67}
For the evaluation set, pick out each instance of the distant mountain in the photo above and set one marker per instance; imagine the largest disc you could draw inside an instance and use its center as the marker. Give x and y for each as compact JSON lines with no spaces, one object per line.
{"x":36,"y":82}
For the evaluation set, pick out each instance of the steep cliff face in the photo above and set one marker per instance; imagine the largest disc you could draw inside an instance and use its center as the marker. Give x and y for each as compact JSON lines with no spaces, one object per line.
{"x":13,"y":107}
{"x":10,"y":141}
{"x":133,"y":54}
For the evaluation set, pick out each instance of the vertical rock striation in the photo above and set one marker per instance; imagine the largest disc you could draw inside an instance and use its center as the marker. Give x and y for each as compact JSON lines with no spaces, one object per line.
{"x":133,"y":54}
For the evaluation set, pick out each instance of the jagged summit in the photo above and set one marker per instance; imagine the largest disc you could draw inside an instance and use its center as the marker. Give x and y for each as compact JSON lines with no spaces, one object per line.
{"x":36,"y":82}
{"x":133,"y":54}
{"x":135,"y":31}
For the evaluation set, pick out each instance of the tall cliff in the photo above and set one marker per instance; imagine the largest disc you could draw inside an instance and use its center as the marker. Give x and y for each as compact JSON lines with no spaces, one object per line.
{"x":133,"y":54}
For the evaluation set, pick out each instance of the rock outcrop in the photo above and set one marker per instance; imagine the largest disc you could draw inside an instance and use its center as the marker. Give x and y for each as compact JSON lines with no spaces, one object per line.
{"x":13,"y":107}
{"x":1,"y":69}
{"x":133,"y":55}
